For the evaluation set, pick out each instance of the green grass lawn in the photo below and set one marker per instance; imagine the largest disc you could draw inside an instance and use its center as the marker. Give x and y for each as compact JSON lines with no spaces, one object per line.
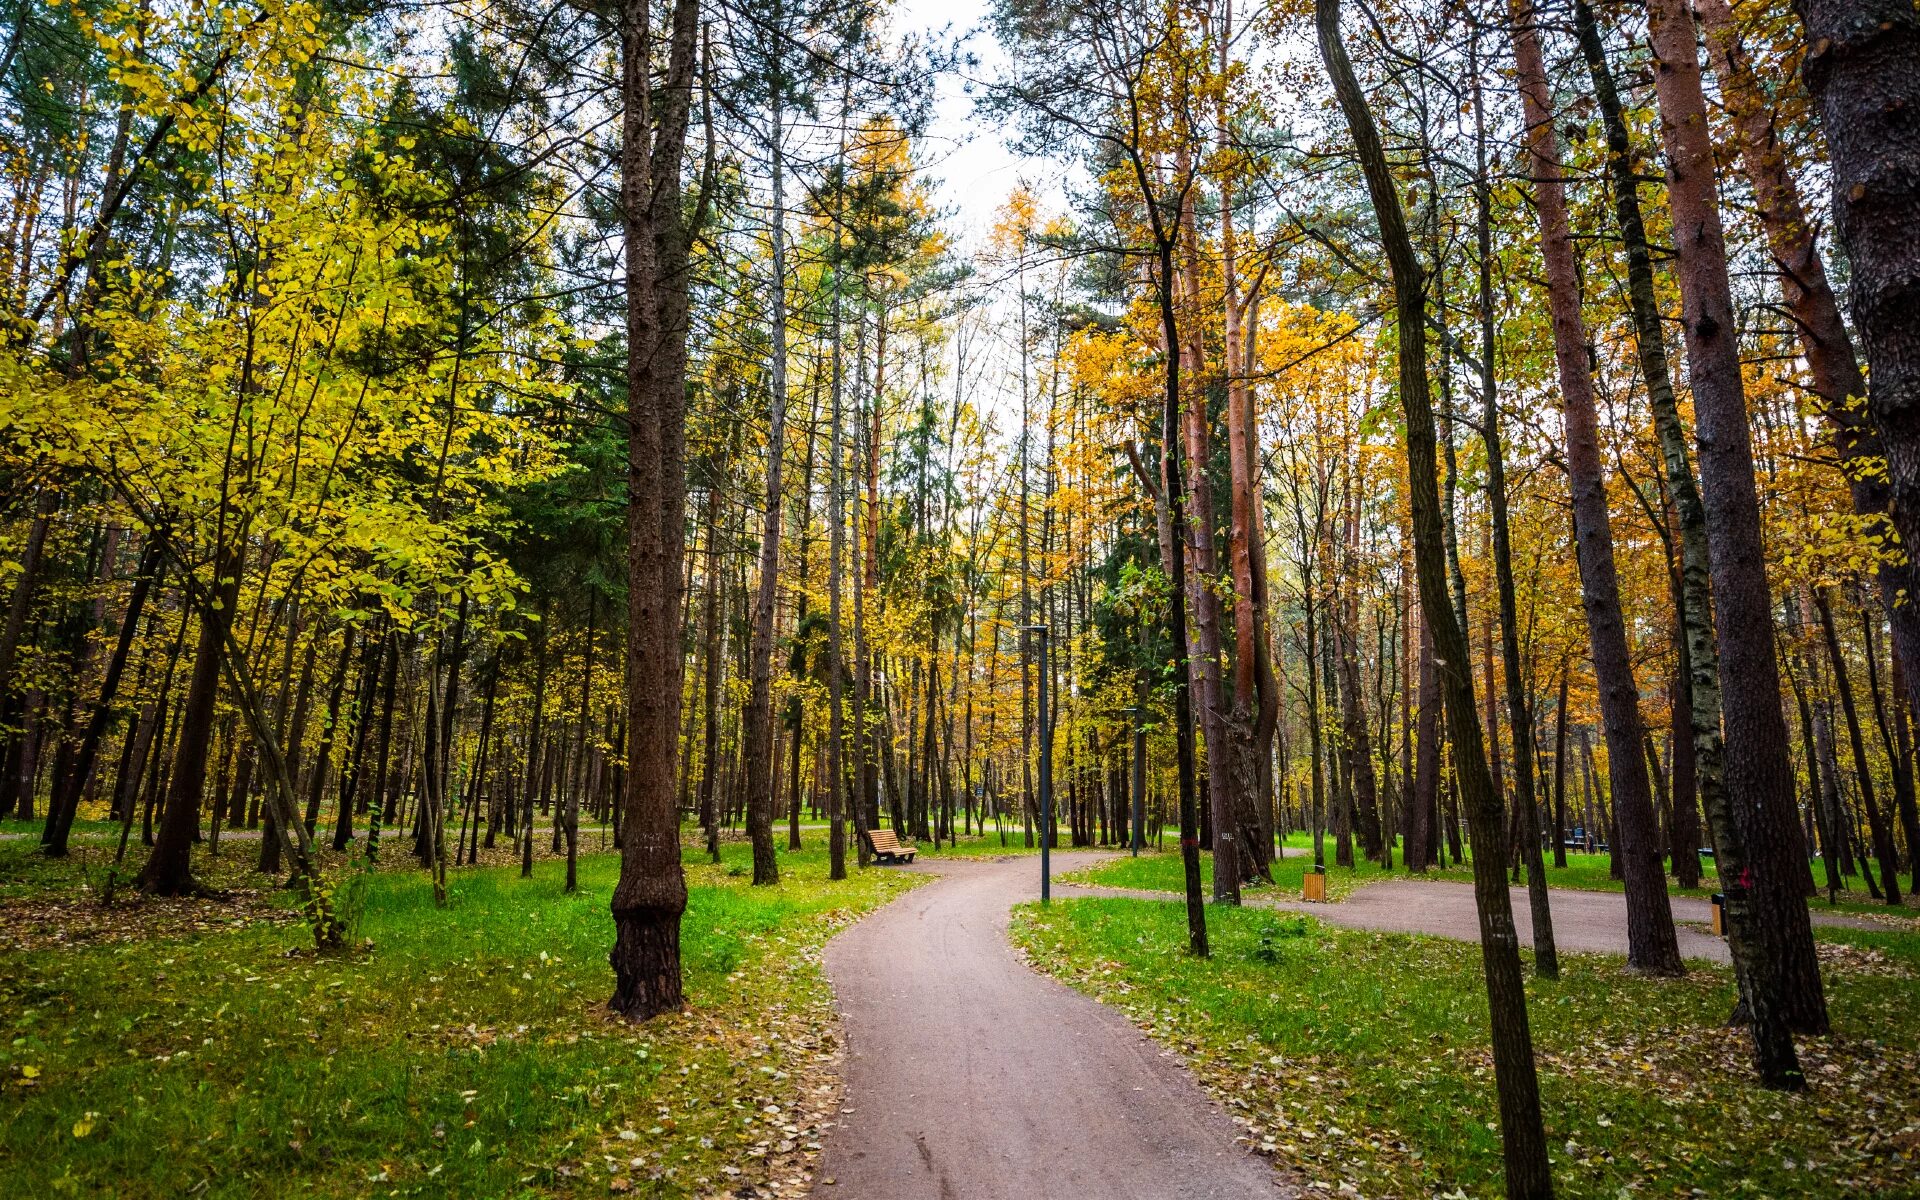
{"x":1161,"y":871}
{"x":467,"y":1054}
{"x":82,"y":827}
{"x":1361,"y":1058}
{"x":1588,"y":873}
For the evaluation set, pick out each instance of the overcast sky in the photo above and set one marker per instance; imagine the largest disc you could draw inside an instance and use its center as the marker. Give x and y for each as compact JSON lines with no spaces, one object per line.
{"x":965,"y":154}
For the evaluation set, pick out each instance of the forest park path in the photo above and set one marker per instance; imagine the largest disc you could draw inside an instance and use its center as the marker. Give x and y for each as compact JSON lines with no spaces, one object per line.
{"x":1583,"y":922}
{"x":971,"y":1077}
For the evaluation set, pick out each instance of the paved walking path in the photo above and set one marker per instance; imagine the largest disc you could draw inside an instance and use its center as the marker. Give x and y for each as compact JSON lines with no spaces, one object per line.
{"x":1583,"y":922}
{"x":971,"y":1077}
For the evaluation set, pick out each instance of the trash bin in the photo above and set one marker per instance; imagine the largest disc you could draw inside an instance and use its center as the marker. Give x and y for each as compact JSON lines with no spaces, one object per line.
{"x":1719,"y":915}
{"x":1315,"y":885}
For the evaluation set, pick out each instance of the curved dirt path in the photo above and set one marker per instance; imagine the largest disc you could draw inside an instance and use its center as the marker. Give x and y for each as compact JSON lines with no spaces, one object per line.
{"x":1583,"y":922}
{"x":971,"y":1077}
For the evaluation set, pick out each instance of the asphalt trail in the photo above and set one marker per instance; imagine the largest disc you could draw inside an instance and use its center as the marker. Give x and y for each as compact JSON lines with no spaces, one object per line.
{"x":971,"y":1077}
{"x":1583,"y":922}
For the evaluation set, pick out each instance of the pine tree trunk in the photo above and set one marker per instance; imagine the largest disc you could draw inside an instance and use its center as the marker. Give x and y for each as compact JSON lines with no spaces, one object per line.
{"x":1652,"y":945}
{"x":1256,"y":699}
{"x":1759,"y":772}
{"x":836,"y":547}
{"x":1202,"y":567}
{"x":757,"y":721}
{"x":1833,"y":368}
{"x":1863,"y":70}
{"x":652,"y":892}
{"x":1546,"y":959}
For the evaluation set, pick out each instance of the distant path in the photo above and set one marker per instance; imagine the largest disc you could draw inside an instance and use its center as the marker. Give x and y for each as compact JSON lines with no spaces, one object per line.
{"x":970,"y":1077}
{"x":1583,"y":922}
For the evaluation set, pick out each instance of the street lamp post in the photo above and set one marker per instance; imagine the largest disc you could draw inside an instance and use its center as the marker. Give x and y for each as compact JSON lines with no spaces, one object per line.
{"x":1039,"y":633}
{"x":1139,"y":807}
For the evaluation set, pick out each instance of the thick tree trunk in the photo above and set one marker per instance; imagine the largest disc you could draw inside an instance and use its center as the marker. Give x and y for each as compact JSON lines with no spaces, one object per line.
{"x":1832,"y":367}
{"x":1652,"y":945}
{"x":1899,"y":745}
{"x":1256,"y":700}
{"x":1202,"y":567}
{"x":168,"y":870}
{"x":652,"y":891}
{"x":1694,"y":608}
{"x":1759,"y":772}
{"x":1863,"y":70}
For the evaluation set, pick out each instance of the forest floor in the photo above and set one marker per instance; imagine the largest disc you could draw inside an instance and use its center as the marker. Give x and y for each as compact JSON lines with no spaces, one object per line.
{"x":1359,"y":1058}
{"x":200,"y":1048}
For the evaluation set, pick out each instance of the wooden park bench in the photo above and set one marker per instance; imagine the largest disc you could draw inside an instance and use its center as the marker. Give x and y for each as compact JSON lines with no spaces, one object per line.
{"x":887,"y":847}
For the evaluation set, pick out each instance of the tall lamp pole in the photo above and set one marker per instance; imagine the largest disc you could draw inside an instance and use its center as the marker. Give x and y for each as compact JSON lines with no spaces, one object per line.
{"x":1139,"y":813}
{"x":1039,"y":633}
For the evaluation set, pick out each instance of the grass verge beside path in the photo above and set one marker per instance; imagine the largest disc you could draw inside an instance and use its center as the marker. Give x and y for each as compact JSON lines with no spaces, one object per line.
{"x":1161,"y":871}
{"x":1361,"y":1058}
{"x":467,"y":1055}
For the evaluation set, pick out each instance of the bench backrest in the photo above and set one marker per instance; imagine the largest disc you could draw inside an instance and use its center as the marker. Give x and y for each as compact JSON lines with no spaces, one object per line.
{"x":884,"y":840}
